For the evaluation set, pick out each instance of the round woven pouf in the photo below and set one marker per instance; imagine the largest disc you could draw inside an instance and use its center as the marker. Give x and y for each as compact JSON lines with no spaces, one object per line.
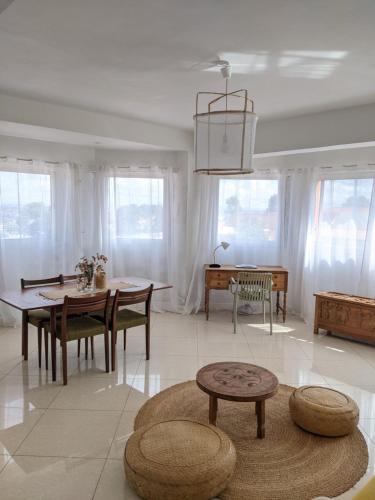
{"x":179,"y":460}
{"x":323,"y":411}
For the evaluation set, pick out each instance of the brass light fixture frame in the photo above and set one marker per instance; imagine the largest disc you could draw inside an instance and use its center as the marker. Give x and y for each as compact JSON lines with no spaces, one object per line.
{"x":241,"y":94}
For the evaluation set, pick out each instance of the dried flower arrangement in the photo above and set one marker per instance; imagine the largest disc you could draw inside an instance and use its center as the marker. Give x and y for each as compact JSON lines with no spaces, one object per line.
{"x":89,"y":266}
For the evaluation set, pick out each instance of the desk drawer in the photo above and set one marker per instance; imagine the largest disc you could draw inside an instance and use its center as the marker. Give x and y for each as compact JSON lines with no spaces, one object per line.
{"x":221,"y":284}
{"x":279,"y":281}
{"x":219,"y":275}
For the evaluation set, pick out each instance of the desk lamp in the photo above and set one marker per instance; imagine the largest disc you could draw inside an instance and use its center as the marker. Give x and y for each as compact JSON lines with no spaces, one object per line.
{"x":223,"y":244}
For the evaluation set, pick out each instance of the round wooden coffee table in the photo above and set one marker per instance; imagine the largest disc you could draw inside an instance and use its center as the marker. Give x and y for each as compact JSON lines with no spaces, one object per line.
{"x":240,"y":382}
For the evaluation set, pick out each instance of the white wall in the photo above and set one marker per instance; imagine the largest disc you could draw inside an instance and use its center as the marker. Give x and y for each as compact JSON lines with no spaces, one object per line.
{"x":333,"y":157}
{"x":15,"y":110}
{"x":328,"y":128}
{"x":142,"y":158}
{"x":353,"y":125}
{"x":48,"y":151}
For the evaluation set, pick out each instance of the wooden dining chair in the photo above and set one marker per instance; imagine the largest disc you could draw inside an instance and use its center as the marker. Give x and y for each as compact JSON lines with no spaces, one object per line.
{"x":123,"y":319}
{"x":38,"y":317}
{"x":76,"y":322}
{"x":72,"y":278}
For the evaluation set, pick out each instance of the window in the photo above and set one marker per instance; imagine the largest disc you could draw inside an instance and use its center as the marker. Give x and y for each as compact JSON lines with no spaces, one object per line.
{"x":137,"y":207}
{"x":342,"y":214}
{"x":25,"y":205}
{"x":249,"y":209}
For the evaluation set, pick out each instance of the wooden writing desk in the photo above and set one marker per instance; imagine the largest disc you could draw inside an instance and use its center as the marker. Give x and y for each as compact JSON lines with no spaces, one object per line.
{"x":218,"y":279}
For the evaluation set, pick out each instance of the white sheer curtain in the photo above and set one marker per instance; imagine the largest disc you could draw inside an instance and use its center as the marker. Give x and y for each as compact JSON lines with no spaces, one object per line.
{"x":39,"y":233}
{"x":299,"y":204}
{"x":201,"y":235}
{"x":317,"y":222}
{"x":251,"y":219}
{"x":340,"y":242}
{"x":246,"y":212}
{"x":139,"y":226}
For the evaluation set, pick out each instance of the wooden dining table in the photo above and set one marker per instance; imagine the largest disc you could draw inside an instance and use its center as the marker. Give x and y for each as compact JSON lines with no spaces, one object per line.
{"x":29,"y":299}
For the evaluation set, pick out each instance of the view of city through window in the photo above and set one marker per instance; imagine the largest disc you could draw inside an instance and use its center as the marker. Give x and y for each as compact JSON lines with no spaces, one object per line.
{"x":136,"y":207}
{"x":248,"y":209}
{"x":25,"y":205}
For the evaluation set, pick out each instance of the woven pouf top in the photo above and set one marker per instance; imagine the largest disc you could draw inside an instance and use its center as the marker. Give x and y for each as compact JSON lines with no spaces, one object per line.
{"x":329,"y":399}
{"x":289,"y":464}
{"x":179,"y":459}
{"x":324,"y":411}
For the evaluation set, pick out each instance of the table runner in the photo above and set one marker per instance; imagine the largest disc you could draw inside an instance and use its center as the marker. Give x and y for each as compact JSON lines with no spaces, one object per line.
{"x":72,"y":291}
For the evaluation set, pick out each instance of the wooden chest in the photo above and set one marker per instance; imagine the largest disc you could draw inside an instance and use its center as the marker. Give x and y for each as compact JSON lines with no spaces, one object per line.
{"x":345,"y":314}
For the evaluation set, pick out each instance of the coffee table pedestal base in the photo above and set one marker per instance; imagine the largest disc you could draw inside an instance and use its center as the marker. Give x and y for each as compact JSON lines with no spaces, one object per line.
{"x":260,"y":410}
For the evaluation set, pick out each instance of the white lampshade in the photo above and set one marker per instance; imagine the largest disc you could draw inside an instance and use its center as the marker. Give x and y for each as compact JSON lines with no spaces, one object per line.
{"x":224,"y":139}
{"x":225,"y":244}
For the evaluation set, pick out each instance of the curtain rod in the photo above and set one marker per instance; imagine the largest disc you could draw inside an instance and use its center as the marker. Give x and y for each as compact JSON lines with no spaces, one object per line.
{"x":141,"y":166}
{"x":327,"y":167}
{"x":28,"y":159}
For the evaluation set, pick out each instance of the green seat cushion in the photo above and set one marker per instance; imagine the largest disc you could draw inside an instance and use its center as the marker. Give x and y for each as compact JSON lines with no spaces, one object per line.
{"x":79,"y":327}
{"x":38,"y":316}
{"x":126,"y":318}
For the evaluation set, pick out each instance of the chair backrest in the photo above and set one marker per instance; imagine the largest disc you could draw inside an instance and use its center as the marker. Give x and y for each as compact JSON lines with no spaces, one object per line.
{"x":123,"y":298}
{"x":78,"y":305}
{"x":71,"y":277}
{"x":254,"y":285}
{"x":92,"y":303}
{"x":58,"y":280}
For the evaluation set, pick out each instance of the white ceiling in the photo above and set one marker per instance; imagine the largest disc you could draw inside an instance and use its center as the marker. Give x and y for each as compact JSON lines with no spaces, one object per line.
{"x":142,"y":58}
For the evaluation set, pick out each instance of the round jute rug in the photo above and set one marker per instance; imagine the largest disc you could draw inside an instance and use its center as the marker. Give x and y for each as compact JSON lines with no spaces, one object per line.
{"x":289,"y":464}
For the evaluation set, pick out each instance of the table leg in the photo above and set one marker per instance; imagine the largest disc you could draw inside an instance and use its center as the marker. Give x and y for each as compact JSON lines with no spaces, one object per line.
{"x":207,"y":301}
{"x":277,"y":302}
{"x":25,"y":336}
{"x":53,"y":342}
{"x":284,"y":307}
{"x":261,"y":418}
{"x":212,"y":412}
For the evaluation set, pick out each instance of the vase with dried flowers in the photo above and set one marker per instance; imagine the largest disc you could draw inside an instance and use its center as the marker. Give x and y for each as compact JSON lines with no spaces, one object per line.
{"x":90,"y":267}
{"x":100,"y":274}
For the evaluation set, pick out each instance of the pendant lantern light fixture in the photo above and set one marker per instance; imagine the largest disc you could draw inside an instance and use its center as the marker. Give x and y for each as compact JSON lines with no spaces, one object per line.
{"x":224,"y":130}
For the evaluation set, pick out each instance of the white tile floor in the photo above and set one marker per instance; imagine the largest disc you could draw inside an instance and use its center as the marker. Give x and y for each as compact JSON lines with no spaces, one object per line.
{"x":68,"y":442}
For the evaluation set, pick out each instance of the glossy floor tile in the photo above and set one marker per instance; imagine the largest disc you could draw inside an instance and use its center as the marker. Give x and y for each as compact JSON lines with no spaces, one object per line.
{"x":71,"y":433}
{"x":92,"y":393}
{"x":112,"y":484}
{"x":68,"y":441}
{"x":15,"y":425}
{"x":27,"y":392}
{"x":44,"y":478}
